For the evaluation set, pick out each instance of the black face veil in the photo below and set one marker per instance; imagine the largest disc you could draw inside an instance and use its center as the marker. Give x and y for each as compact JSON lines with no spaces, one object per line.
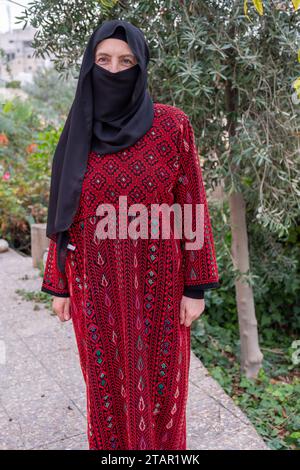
{"x":104,"y":126}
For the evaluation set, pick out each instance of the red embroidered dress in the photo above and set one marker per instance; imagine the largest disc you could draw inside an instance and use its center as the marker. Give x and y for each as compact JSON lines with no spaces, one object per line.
{"x":125,"y":294}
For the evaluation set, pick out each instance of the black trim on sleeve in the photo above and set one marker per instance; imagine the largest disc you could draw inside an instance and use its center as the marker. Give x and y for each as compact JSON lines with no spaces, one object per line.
{"x":57,"y":294}
{"x":193,"y":292}
{"x":197,"y":291}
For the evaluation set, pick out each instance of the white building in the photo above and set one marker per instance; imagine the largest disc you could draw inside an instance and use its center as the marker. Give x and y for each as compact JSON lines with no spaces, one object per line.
{"x":17,"y":62}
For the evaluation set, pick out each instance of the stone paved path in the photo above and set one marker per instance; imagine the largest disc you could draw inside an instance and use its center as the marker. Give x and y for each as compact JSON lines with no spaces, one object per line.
{"x":42,"y":395}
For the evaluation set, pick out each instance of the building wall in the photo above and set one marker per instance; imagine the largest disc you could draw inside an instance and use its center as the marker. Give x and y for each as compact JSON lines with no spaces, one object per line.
{"x":19,"y":56}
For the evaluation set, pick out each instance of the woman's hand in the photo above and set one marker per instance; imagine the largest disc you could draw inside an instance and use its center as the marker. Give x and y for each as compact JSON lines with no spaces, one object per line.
{"x":190,"y":309}
{"x":61,"y":306}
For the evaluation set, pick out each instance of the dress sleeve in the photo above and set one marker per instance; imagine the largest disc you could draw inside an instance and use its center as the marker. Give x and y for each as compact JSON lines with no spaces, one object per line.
{"x":199,"y":264}
{"x":54,"y":282}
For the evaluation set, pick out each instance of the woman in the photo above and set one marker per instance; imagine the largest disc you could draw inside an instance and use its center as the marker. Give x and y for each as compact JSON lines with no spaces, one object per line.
{"x":131,"y":300}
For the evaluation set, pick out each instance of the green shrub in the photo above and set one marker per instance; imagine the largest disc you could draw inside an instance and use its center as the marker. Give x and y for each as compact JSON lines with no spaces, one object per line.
{"x":26,"y":158}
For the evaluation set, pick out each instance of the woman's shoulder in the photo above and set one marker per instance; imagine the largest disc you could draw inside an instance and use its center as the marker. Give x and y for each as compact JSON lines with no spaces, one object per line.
{"x":176,"y":114}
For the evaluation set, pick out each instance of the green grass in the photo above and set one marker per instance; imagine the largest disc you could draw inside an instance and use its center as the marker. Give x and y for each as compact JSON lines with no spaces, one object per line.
{"x":37,"y":297}
{"x":271,"y":401}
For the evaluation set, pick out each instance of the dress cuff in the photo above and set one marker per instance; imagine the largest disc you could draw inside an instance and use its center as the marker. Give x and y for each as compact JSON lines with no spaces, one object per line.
{"x":56,"y":294}
{"x":197,"y":291}
{"x":194,"y":292}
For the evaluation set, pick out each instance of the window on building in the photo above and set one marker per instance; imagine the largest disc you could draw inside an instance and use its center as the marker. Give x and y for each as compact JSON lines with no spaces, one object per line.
{"x":10,"y":56}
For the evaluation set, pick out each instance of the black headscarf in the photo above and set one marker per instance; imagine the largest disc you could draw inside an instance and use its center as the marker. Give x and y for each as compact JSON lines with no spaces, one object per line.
{"x":102,"y":118}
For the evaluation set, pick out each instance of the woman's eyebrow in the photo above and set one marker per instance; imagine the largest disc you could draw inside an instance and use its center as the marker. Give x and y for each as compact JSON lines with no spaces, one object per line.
{"x":108,"y":55}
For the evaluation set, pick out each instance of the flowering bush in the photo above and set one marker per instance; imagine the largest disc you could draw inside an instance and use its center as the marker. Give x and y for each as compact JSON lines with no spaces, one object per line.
{"x":26,"y":149}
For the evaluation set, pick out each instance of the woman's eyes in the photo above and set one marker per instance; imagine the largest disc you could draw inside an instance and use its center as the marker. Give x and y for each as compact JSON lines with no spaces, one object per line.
{"x":126,"y":61}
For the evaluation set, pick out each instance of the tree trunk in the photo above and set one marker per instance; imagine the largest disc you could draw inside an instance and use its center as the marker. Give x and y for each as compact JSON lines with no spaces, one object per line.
{"x":251,"y":356}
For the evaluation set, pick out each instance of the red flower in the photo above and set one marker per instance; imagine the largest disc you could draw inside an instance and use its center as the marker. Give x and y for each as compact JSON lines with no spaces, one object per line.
{"x":6,"y":176}
{"x":31,"y":148}
{"x":3,"y":139}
